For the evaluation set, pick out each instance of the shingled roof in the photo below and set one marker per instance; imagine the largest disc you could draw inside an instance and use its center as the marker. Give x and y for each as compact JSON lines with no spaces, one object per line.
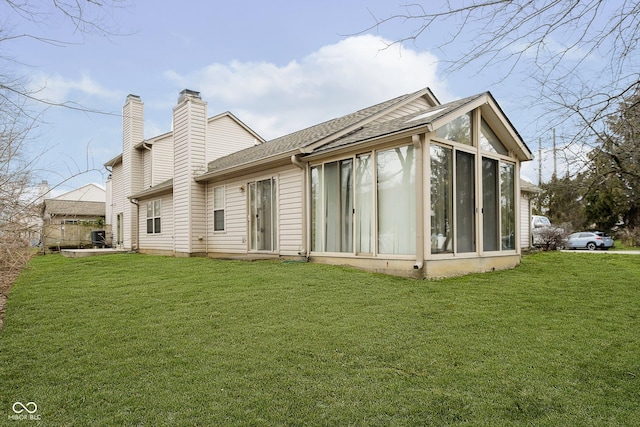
{"x":72,"y":208}
{"x":359,"y":127}
{"x":296,"y":142}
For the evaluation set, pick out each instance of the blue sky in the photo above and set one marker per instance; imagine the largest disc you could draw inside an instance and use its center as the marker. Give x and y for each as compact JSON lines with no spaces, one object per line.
{"x":278,"y":65}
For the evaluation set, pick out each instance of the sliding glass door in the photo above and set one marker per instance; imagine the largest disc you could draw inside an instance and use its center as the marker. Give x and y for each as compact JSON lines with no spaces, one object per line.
{"x":262,"y":229}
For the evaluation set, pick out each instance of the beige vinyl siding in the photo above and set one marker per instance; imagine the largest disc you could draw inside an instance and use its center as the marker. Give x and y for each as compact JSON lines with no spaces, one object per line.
{"x":117,"y":196}
{"x":226,"y":136}
{"x":108,"y":206}
{"x":189,"y":196}
{"x":147,"y":158}
{"x":181,"y":182}
{"x":162,"y":160}
{"x":161,"y":241}
{"x":132,"y":134}
{"x":234,"y":238}
{"x":290,"y":211}
{"x":413,"y":107}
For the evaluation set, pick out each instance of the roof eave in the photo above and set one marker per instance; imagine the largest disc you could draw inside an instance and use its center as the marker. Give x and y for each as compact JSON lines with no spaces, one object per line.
{"x":275,"y":160}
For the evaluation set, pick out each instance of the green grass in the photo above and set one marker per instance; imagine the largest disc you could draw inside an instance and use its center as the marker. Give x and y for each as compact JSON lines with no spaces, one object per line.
{"x":144,"y":340}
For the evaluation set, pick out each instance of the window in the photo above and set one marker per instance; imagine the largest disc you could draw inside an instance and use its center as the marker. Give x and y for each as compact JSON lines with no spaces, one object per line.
{"x":443,"y":187}
{"x":218,"y":209}
{"x":316,"y":208}
{"x":458,"y":130}
{"x":490,"y":212}
{"x":334,"y":209}
{"x":153,"y":217}
{"x":396,"y":178}
{"x":489,"y":141}
{"x":465,"y":202}
{"x":364,"y":204}
{"x":441,"y":199}
{"x":498,"y":205}
{"x":507,"y":206}
{"x":356,"y":203}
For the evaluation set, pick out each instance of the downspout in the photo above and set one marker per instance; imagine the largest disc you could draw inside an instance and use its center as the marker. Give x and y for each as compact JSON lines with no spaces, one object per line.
{"x":295,"y":159}
{"x":134,"y":247}
{"x":417,"y":144}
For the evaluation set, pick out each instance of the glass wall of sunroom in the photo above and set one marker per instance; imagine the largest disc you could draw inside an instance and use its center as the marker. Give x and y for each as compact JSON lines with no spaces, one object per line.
{"x":365,"y":204}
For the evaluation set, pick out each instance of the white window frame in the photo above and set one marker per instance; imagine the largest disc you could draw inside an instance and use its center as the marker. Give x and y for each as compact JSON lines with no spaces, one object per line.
{"x":156,"y":214}
{"x":217,"y":209}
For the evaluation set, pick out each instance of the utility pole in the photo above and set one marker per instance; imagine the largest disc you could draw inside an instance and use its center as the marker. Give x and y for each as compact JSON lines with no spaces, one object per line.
{"x":539,"y":162}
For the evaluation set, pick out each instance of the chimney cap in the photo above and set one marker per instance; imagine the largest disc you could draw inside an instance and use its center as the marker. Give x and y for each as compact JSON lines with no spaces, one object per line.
{"x":188,"y":93}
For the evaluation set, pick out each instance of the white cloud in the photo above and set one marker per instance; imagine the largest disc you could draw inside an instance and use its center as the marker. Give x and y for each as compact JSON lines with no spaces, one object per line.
{"x":60,"y":89}
{"x":335,"y":80}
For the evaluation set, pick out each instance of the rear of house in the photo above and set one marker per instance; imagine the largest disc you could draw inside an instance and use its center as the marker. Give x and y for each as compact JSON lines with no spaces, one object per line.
{"x":407,"y":186}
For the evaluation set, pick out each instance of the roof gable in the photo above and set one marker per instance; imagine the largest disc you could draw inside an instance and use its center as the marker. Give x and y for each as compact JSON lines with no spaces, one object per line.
{"x":239,"y":122}
{"x":87,"y":193}
{"x":432,"y":118}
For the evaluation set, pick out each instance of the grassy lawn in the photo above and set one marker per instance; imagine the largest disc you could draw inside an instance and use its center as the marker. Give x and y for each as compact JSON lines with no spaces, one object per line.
{"x":143,"y":340}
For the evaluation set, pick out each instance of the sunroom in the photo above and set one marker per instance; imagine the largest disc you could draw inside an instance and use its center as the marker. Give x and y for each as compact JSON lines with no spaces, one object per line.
{"x":430,"y":194}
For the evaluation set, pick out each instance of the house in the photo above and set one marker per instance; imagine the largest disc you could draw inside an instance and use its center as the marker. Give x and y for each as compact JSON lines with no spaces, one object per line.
{"x":528,"y":193}
{"x":409,"y":186}
{"x":69,"y":218}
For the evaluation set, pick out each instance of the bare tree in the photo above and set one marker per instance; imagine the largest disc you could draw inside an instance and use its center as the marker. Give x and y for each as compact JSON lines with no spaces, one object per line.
{"x":20,"y":112}
{"x":582,"y":54}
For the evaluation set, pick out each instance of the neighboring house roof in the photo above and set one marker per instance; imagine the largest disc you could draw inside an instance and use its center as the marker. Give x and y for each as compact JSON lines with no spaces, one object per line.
{"x":361,"y":127}
{"x":87,"y":193}
{"x":308,"y":139}
{"x":528,"y":187}
{"x":54,"y":207}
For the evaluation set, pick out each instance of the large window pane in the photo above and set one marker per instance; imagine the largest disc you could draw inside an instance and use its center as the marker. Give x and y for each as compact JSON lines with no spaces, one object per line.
{"x":396,"y":201}
{"x":331,"y":207}
{"x":458,"y":130}
{"x":507,"y":206}
{"x":489,"y":141}
{"x":316,"y":209}
{"x":364,"y":204}
{"x":465,"y":202}
{"x":218,"y":209}
{"x":441,"y":199}
{"x":338,"y":205}
{"x":262,"y":229}
{"x":346,"y":205}
{"x":490,"y":212}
